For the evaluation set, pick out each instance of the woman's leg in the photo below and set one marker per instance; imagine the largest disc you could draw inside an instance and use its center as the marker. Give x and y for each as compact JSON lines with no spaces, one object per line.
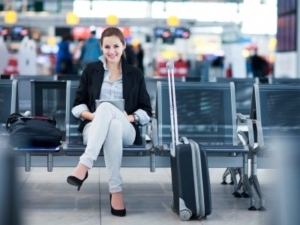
{"x":96,"y":133}
{"x":118,"y":134}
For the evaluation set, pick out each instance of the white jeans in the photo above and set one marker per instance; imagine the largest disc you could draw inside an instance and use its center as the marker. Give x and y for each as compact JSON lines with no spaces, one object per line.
{"x":111,"y":129}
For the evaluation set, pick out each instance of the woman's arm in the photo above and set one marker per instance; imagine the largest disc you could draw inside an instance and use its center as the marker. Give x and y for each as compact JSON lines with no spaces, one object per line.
{"x":144,"y":102}
{"x":129,"y":117}
{"x":144,"y":111}
{"x":82,"y":90}
{"x":80,"y":107}
{"x":87,"y":115}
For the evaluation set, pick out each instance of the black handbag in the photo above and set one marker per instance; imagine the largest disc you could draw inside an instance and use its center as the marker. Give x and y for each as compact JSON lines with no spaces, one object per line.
{"x":30,"y":132}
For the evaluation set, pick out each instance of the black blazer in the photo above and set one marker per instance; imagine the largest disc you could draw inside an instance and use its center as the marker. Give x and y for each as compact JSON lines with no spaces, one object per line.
{"x":134,"y":91}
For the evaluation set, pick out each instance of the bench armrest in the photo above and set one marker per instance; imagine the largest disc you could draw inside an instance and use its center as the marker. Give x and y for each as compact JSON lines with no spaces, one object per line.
{"x":241,"y":118}
{"x":154,"y":132}
{"x":259,"y":136}
{"x":254,"y":129}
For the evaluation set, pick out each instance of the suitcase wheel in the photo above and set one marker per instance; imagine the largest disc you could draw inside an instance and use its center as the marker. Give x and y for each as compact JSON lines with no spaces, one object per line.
{"x":185,"y":214}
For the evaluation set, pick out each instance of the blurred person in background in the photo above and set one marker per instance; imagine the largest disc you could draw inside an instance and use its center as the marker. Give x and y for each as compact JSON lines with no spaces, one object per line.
{"x":228,"y":71}
{"x":130,"y":55}
{"x":78,"y":49}
{"x":64,"y":61}
{"x":140,"y":57}
{"x":91,"y":49}
{"x":258,"y":65}
{"x":217,"y":67}
{"x":77,"y":55}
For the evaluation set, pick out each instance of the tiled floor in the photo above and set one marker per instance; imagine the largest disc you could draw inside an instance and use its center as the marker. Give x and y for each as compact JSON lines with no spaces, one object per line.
{"x":48,"y":200}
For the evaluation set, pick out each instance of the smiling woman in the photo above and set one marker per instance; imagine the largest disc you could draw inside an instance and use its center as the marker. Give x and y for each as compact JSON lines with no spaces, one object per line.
{"x":110,"y":78}
{"x":113,"y":45}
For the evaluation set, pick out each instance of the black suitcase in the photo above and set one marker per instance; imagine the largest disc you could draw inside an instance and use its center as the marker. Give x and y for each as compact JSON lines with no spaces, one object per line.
{"x":189,"y":168}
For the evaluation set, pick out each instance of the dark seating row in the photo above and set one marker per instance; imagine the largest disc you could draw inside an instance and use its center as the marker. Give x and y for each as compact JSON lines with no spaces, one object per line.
{"x":24,"y":87}
{"x":243,"y":89}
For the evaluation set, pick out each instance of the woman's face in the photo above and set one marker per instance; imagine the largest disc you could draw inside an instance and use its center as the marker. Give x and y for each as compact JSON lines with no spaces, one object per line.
{"x":112,"y":49}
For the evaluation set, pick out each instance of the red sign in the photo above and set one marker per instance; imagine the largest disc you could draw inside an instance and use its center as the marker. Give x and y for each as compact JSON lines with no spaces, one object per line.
{"x":180,"y":69}
{"x":11,"y":67}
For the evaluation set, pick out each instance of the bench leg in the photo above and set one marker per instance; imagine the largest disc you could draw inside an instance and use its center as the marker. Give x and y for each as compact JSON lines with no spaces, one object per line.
{"x":241,"y":189}
{"x":152,"y":160}
{"x":225,"y":174}
{"x":27,"y":162}
{"x":50,"y":162}
{"x":255,"y":182}
{"x":242,"y":184}
{"x":236,"y":192}
{"x":247,"y":184}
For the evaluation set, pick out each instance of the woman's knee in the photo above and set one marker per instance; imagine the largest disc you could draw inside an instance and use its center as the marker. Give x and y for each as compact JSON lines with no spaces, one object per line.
{"x":105,"y":109}
{"x":115,"y":125}
{"x":104,"y":106}
{"x":114,"y":135}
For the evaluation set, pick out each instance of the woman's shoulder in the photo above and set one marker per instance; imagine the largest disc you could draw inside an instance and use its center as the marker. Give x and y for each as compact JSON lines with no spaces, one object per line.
{"x":134,"y":70}
{"x":92,"y":68}
{"x":94,"y":65}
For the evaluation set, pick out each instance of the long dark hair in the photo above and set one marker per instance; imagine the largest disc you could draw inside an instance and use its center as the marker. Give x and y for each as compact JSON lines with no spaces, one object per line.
{"x":114,"y":31}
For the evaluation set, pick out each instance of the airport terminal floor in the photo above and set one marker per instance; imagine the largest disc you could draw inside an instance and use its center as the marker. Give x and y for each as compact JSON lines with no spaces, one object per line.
{"x":48,"y":199}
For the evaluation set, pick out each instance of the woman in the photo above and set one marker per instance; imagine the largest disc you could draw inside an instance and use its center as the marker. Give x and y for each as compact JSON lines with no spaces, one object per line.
{"x":107,"y":126}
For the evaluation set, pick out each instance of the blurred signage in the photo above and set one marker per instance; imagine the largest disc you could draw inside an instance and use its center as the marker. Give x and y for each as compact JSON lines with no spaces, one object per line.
{"x":4,"y":32}
{"x":18,"y":32}
{"x":287,"y":32}
{"x":286,"y":6}
{"x":205,"y":44}
{"x":170,"y":34}
{"x":15,"y":33}
{"x":81,"y":32}
{"x":162,"y":32}
{"x":181,"y":32}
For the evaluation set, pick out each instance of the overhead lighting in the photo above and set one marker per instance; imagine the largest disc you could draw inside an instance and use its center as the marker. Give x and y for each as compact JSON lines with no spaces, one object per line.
{"x":173,"y":21}
{"x":10,"y":17}
{"x":72,"y":18}
{"x":112,"y":20}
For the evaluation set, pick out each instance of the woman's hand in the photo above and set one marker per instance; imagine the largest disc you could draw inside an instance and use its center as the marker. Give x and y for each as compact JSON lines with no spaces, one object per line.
{"x":129,"y":117}
{"x":87,"y":115}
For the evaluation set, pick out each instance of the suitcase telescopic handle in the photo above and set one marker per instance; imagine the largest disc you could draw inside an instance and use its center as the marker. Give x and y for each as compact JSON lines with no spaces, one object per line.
{"x":173,"y":108}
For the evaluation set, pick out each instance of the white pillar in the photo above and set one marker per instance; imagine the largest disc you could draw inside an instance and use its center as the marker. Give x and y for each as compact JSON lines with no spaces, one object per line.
{"x":233,"y":56}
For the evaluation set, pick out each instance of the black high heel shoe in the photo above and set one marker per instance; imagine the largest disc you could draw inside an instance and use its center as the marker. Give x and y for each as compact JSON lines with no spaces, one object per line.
{"x":117,"y":212}
{"x":77,"y":182}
